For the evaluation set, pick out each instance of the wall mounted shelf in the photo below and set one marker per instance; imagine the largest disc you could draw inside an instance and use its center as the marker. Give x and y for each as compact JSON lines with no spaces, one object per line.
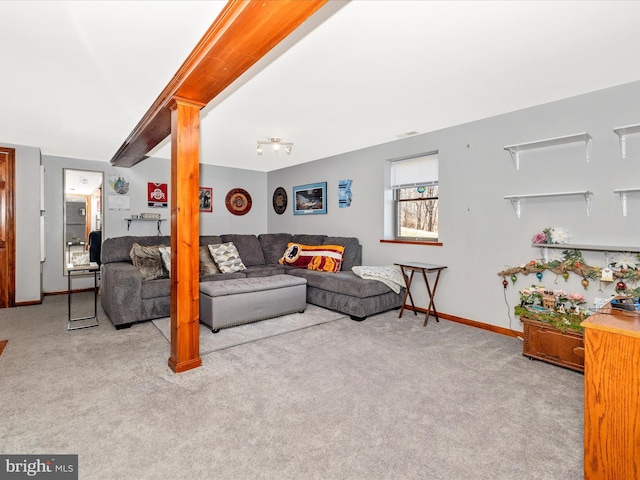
{"x":158,"y":220}
{"x":516,"y":200}
{"x":622,"y":133}
{"x":623,"y":197}
{"x":544,"y":247}
{"x":515,"y":150}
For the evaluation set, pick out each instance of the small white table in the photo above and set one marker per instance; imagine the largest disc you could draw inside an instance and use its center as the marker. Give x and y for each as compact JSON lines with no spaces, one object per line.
{"x":76,"y":271}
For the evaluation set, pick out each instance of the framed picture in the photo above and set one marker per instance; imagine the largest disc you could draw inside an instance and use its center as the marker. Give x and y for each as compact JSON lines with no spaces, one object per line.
{"x":206,"y":199}
{"x":310,"y":199}
{"x":80,"y":258}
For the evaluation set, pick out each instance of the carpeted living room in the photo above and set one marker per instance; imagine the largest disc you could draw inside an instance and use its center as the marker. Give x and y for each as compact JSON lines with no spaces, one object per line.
{"x":212,"y":211}
{"x":379,"y":399}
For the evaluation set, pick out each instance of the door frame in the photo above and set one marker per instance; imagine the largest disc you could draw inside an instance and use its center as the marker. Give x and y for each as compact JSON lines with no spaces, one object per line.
{"x":10,"y":225}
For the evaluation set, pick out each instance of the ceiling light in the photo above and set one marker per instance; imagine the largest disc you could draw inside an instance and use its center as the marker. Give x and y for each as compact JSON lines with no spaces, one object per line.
{"x":276,"y":143}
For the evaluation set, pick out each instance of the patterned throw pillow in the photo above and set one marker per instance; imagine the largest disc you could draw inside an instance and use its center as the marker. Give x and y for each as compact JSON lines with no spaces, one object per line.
{"x":324,"y":258}
{"x":227,"y":257}
{"x":207,"y":265}
{"x":148,"y":260}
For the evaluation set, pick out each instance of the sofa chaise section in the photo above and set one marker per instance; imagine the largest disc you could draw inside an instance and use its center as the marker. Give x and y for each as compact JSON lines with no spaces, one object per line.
{"x":347,"y":293}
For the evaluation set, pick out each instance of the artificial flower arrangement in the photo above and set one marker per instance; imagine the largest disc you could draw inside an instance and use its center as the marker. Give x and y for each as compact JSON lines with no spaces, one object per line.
{"x":556,"y":235}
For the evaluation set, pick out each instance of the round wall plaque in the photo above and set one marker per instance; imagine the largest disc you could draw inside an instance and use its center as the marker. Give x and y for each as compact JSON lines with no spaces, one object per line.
{"x":238,"y":201}
{"x":279,"y":200}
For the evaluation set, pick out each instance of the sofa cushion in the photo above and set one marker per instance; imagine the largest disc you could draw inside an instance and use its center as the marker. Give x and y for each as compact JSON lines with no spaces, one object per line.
{"x":117,"y":249}
{"x":273,"y":246}
{"x":226,"y":257}
{"x":209,"y":240}
{"x":160,"y":287}
{"x":351,"y":245}
{"x":223,"y":276}
{"x":264,"y":271}
{"x":307,"y":239}
{"x":327,"y":258}
{"x":248,"y":247}
{"x":148,"y":260}
{"x":207,"y":264}
{"x":345,"y":283}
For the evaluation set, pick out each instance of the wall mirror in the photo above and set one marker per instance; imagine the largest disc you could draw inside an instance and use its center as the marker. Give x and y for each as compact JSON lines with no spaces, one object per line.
{"x":83,"y":216}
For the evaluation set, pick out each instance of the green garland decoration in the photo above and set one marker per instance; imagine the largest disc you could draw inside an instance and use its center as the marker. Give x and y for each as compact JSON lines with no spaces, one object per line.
{"x":573,"y":261}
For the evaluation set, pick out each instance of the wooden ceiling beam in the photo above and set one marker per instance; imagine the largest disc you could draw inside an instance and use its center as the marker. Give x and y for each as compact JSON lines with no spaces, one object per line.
{"x":241,"y":35}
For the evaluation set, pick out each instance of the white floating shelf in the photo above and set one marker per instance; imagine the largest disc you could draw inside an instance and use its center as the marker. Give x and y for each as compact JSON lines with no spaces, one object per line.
{"x":516,"y":200}
{"x":544,"y":247}
{"x":622,"y":133}
{"x":591,"y":248}
{"x":515,"y":150}
{"x":623,"y":197}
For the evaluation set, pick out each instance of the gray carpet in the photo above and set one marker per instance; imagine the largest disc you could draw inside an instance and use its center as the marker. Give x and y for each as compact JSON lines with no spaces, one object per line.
{"x":253,"y":332}
{"x":381,"y":399}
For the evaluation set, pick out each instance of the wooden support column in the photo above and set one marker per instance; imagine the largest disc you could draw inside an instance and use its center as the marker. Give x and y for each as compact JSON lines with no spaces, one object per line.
{"x":185,"y":235}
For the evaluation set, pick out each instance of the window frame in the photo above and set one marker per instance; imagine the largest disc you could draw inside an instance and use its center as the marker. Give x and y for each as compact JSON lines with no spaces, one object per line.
{"x":397,"y":202}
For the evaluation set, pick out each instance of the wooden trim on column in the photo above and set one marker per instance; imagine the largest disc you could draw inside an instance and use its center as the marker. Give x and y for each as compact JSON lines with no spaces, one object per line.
{"x":244,"y":32}
{"x":185,"y":235}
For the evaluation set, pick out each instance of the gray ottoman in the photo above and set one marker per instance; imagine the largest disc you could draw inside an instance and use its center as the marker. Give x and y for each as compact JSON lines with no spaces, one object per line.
{"x":226,"y":303}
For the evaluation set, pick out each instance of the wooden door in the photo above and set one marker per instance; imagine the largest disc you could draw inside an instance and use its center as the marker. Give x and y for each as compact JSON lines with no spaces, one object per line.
{"x":7,"y":228}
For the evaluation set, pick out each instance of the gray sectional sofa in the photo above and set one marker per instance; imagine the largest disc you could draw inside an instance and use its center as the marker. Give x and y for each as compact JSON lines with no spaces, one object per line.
{"x":127,"y":298}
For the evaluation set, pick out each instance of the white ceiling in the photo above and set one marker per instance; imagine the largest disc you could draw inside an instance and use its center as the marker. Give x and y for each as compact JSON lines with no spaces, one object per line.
{"x":78,"y":76}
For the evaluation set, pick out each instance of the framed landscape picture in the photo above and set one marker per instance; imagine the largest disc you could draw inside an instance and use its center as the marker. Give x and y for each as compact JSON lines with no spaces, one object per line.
{"x":310,"y":199}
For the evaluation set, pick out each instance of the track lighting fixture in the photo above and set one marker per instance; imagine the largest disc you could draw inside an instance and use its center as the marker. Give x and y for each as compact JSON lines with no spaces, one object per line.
{"x":276,"y":143}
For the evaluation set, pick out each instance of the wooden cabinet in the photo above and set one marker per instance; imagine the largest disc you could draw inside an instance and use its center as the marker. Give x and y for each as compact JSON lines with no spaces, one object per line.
{"x":543,"y":342}
{"x":611,"y":397}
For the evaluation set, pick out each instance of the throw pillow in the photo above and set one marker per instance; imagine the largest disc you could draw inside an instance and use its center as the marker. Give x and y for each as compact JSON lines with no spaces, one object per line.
{"x":148,"y":260}
{"x":165,"y":254}
{"x":325,"y":258}
{"x":207,"y":265}
{"x":227,"y":257}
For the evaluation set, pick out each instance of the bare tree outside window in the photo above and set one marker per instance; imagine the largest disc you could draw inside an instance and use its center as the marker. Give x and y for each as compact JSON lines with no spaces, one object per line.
{"x":418,"y":212}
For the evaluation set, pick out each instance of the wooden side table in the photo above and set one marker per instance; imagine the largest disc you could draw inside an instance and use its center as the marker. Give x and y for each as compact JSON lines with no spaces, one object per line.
{"x":423,"y":268}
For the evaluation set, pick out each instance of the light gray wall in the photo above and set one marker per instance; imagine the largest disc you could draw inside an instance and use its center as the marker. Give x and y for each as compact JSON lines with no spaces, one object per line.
{"x":479,"y":229}
{"x":221,"y":179}
{"x":480,"y":232}
{"x":27,"y":221}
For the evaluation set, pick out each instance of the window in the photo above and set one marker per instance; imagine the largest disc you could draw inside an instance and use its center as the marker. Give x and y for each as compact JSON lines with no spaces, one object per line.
{"x":415,"y":197}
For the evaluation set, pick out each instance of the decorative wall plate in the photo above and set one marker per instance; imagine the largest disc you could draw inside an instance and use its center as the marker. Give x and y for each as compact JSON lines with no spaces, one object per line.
{"x":280,"y":200}
{"x":238,"y":201}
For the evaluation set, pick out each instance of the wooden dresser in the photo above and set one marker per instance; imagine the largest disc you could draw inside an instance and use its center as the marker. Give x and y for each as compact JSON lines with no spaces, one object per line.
{"x":543,"y":342}
{"x":612,"y":396}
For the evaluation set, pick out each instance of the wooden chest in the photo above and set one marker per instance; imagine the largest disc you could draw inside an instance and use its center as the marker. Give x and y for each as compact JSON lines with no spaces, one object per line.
{"x":543,"y":342}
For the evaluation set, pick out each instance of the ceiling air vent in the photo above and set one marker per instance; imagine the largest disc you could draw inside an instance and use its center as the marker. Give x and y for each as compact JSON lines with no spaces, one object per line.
{"x":407,"y":134}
